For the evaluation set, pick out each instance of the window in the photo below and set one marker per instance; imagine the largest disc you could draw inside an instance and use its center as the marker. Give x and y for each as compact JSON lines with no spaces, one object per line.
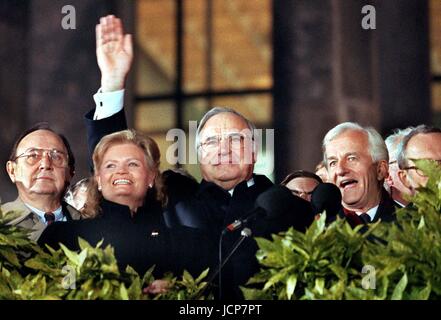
{"x":195,"y":54}
{"x":435,"y":57}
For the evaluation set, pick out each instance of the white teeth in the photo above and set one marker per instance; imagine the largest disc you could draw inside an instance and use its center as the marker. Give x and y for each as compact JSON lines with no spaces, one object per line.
{"x":121,"y":181}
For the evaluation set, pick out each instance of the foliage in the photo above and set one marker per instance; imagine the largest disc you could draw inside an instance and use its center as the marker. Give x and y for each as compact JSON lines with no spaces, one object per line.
{"x":401,"y":260}
{"x":29,"y":272}
{"x":318,"y":264}
{"x":411,"y":257}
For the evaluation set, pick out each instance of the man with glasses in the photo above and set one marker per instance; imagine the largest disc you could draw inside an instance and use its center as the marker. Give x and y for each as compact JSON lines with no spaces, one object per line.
{"x":423,"y":142}
{"x":393,"y":183}
{"x":41,"y":165}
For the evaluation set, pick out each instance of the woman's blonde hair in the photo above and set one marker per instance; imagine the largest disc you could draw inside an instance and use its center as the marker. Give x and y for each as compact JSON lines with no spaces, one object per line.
{"x":152,"y":156}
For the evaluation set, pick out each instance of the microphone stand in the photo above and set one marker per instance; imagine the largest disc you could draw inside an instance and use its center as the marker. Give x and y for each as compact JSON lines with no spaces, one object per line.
{"x":245,"y":233}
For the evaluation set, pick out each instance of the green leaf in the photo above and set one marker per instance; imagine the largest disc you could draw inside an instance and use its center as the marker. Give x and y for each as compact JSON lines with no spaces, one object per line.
{"x":400,"y":287}
{"x":273,"y":280}
{"x":123,"y":292}
{"x":10,"y":256}
{"x":202,"y":275}
{"x":291,"y":286}
{"x":71,"y":255}
{"x":82,"y":257}
{"x":319,"y":285}
{"x":423,"y":294}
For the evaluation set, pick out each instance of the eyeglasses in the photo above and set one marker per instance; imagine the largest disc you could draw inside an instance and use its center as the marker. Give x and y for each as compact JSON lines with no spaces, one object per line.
{"x":419,"y":171}
{"x":33,"y":156}
{"x":235,"y":141}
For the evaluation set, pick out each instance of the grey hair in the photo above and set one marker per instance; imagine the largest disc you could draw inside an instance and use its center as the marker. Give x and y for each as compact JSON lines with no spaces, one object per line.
{"x":393,"y":141}
{"x":217,"y":110}
{"x":377,"y":147}
{"x":421,"y":129}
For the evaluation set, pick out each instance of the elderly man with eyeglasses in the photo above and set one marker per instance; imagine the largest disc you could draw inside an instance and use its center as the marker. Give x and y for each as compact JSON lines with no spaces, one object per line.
{"x":423,"y":142}
{"x":41,"y":166}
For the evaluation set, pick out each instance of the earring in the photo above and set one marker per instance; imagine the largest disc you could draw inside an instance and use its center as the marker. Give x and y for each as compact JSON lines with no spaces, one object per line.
{"x":99,"y":188}
{"x":150,"y":185}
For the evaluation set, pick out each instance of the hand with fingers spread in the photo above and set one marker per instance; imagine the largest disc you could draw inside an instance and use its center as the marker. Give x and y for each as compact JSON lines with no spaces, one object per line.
{"x":114,"y":51}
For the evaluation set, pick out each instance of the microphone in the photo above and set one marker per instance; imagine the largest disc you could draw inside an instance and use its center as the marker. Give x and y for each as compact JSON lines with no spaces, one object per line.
{"x":269,"y":204}
{"x":279,"y":207}
{"x":326,"y":197}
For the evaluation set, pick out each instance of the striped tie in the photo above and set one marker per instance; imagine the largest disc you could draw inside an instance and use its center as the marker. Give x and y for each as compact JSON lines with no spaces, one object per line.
{"x":50,"y":218}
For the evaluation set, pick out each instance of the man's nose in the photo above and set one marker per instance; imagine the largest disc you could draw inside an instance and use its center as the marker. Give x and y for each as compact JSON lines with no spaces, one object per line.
{"x":224,"y":146}
{"x":46,"y":161}
{"x":340,"y":168}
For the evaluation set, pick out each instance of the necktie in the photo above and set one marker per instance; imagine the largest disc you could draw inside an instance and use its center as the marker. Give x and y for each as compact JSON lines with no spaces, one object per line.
{"x":50,"y":217}
{"x":365,"y":218}
{"x":355,"y":219}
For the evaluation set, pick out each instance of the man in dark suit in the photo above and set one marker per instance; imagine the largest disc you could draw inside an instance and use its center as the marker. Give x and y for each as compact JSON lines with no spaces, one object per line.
{"x":357,"y":162}
{"x":41,"y":166}
{"x":226,"y":151}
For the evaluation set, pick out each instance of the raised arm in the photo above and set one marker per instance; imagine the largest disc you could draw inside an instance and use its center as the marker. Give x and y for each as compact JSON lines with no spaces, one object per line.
{"x":114,"y":52}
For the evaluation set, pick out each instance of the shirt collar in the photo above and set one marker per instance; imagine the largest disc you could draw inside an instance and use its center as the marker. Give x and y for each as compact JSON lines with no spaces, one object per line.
{"x":371,"y":212}
{"x":59,"y":216}
{"x":402,"y":205}
{"x":250,"y":183}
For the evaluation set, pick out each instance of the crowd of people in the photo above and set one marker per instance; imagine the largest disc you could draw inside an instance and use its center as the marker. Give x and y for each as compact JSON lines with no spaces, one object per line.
{"x":170,"y":220}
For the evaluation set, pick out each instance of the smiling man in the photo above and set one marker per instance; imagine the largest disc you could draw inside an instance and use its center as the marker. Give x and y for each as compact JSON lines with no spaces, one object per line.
{"x":41,"y":166}
{"x":357,"y":162}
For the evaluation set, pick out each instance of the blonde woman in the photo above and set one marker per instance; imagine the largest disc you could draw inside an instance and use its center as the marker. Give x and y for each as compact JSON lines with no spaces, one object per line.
{"x":125,"y":208}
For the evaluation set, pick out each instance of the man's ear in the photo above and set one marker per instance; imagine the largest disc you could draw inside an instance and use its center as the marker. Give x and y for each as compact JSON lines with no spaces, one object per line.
{"x":382,"y":170}
{"x":10,"y":168}
{"x":402,"y":175}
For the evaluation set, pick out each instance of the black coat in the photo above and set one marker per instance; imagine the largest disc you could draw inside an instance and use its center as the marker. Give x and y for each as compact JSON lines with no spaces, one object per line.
{"x":212,"y":208}
{"x":141,"y":241}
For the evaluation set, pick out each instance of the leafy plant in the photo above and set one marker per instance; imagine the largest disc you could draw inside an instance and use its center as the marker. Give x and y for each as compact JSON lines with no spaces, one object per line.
{"x":402,"y":259}
{"x":29,"y":272}
{"x":318,"y":264}
{"x":411,"y":257}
